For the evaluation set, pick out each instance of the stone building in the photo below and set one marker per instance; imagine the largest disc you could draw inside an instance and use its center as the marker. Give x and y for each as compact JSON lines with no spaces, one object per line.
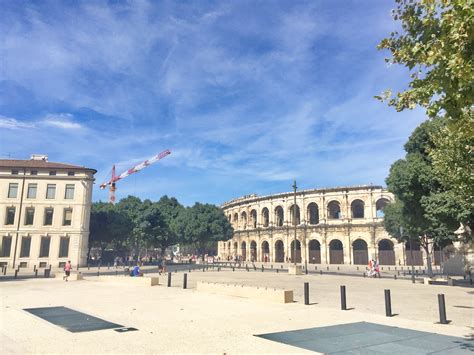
{"x":44,"y":212}
{"x":342,"y":225}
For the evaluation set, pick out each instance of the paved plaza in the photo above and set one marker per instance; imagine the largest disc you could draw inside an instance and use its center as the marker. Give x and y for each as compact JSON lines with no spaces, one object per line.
{"x":187,"y":321}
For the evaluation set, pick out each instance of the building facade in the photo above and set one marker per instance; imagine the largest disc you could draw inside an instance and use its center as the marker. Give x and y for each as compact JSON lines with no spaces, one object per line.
{"x":342,"y":225}
{"x":44,"y":212}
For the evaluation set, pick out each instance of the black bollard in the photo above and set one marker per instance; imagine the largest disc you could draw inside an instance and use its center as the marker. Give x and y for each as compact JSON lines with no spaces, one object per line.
{"x":315,"y":268}
{"x":364,"y":274}
{"x":246,"y":268}
{"x":16,"y":273}
{"x":5,"y":271}
{"x":327,"y":268}
{"x":278,"y":270}
{"x":320,"y":272}
{"x":306,"y":293}
{"x":281,"y":266}
{"x":357,"y":268}
{"x":394,"y":277}
{"x":34,"y":268}
{"x":36,"y":273}
{"x":338,"y":268}
{"x":442,"y":309}
{"x":98,"y":273}
{"x":203,"y":269}
{"x":233,"y":268}
{"x":185,"y":281}
{"x":88,"y":267}
{"x":169,"y":279}
{"x":388,"y":303}
{"x":271,"y":266}
{"x":343,"y":298}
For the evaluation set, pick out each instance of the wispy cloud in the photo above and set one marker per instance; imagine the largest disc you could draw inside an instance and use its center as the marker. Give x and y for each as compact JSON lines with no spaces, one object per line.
{"x":12,"y":123}
{"x":62,"y":120}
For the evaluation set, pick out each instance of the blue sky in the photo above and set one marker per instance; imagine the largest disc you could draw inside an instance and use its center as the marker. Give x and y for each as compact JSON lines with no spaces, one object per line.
{"x":247,"y":95}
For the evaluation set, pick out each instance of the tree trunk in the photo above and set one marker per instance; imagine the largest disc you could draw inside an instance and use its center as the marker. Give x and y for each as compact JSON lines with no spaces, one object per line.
{"x":426,"y":245}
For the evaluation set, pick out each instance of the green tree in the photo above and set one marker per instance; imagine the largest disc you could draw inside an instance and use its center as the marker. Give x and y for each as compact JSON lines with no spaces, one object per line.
{"x":423,"y":207}
{"x":108,"y":226}
{"x":203,"y":224}
{"x":436,"y":44}
{"x":170,"y":210}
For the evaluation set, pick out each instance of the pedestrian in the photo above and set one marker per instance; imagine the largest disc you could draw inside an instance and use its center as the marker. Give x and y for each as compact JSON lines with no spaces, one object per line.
{"x":67,"y":270}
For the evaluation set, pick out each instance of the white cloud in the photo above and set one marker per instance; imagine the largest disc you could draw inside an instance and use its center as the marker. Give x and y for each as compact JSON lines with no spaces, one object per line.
{"x":62,"y":120}
{"x":12,"y":123}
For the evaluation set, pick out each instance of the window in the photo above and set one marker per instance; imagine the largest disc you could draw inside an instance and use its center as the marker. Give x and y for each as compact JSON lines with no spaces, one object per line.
{"x":70,"y":173}
{"x":67,"y":220}
{"x":6,"y":247}
{"x":25,"y":247}
{"x":29,"y":216}
{"x":48,"y":216}
{"x":10,"y":217}
{"x":32,"y":190}
{"x":52,"y":172}
{"x":34,"y":172}
{"x":14,"y":172}
{"x":43,"y":264}
{"x":23,"y":264}
{"x":69,"y":195}
{"x":12,"y":190}
{"x":51,"y":191}
{"x":64,"y":247}
{"x":44,"y":247}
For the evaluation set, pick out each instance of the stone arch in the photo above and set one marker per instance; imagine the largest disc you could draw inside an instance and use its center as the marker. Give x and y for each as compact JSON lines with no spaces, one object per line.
{"x":279,"y":216}
{"x":336,"y":252}
{"x":380,"y":206}
{"x":442,"y":252}
{"x":291,"y":212}
{"x":265,"y":217}
{"x":279,"y":252}
{"x":243,"y":219}
{"x":415,"y":256}
{"x":265,"y":257}
{"x":253,"y":251}
{"x":236,"y":220}
{"x":386,"y":252}
{"x":298,"y":251}
{"x":334,"y":210}
{"x":313,"y":213}
{"x":253,"y":218}
{"x":314,"y":251}
{"x":360,"y":253}
{"x":243,"y":251}
{"x":357,"y":209}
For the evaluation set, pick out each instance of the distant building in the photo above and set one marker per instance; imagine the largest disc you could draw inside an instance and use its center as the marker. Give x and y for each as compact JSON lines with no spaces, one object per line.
{"x":44,"y":212}
{"x":341,"y":225}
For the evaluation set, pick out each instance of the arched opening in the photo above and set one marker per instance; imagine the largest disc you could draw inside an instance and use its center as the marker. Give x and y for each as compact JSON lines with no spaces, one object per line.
{"x":265,"y":252}
{"x":442,"y":251}
{"x":253,"y":251}
{"x":314,"y":252}
{"x":379,"y":207}
{"x":236,"y":221}
{"x":360,"y":254}
{"x":279,"y":215}
{"x":292,"y":215}
{"x":235,"y":252}
{"x":229,"y":217}
{"x":334,"y":210}
{"x":313,"y":213}
{"x":243,"y":251}
{"x":357,"y":209}
{"x":253,"y":218}
{"x":265,"y":217}
{"x":243,"y":220}
{"x":298,"y":251}
{"x":336,"y":252}
{"x":386,"y":253}
{"x":279,"y":252}
{"x":414,"y":255}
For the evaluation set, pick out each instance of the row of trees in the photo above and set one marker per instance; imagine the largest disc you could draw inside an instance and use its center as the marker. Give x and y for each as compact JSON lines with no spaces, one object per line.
{"x":434,"y":184}
{"x":133,"y":225}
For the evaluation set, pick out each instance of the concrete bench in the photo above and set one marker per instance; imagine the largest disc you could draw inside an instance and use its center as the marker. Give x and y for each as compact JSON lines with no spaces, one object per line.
{"x":263,"y":293}
{"x":140,"y":280}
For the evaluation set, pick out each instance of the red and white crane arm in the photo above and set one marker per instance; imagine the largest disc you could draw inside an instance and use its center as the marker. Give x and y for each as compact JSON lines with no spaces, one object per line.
{"x":135,"y":169}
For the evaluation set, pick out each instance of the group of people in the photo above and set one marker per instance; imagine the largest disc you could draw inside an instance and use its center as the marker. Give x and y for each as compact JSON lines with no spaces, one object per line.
{"x":374,"y":268}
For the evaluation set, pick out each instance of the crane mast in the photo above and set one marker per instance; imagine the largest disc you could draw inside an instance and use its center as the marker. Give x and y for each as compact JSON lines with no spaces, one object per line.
{"x":112,"y":182}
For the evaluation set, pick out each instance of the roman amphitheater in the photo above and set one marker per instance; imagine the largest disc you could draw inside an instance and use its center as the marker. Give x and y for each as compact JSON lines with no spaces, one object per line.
{"x":342,"y":225}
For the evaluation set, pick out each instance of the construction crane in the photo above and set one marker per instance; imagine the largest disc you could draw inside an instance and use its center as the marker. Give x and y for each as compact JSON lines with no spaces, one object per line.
{"x":111,"y":183}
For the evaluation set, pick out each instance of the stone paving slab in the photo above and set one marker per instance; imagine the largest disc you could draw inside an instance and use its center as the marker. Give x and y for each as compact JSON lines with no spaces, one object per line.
{"x":371,"y":338}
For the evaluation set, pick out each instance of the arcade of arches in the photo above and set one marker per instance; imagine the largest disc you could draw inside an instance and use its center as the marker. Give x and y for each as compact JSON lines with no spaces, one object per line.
{"x":334,"y":226}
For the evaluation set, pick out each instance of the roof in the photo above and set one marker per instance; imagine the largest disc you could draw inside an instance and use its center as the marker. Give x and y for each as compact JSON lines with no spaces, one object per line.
{"x":40,"y":164}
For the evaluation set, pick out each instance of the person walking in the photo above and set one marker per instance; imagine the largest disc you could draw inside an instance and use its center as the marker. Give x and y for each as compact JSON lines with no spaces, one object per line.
{"x":67,"y":270}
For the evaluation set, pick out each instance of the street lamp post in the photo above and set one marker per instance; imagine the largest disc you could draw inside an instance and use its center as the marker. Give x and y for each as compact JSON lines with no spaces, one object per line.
{"x":294,"y":221}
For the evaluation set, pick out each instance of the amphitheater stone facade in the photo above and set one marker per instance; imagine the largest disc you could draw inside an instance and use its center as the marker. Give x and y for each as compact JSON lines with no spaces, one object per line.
{"x":342,"y":225}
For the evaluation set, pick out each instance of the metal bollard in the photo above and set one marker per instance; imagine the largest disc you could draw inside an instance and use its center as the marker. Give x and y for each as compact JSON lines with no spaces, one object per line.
{"x":327,"y":268}
{"x":365,"y":275}
{"x":394,"y":277}
{"x":262,"y":268}
{"x":343,"y":298}
{"x":5,"y":271}
{"x":34,"y":268}
{"x":88,"y":267}
{"x":320,"y":272}
{"x":233,"y":268}
{"x":36,"y":273}
{"x":357,"y":268}
{"x":338,"y":268}
{"x":16,"y":273}
{"x":315,"y":268}
{"x":271,"y":266}
{"x":185,"y":281}
{"x":281,"y":266}
{"x":278,"y":270}
{"x":169,"y":279}
{"x":388,"y":303}
{"x":442,"y":309}
{"x":306,"y":293}
{"x":98,"y":273}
